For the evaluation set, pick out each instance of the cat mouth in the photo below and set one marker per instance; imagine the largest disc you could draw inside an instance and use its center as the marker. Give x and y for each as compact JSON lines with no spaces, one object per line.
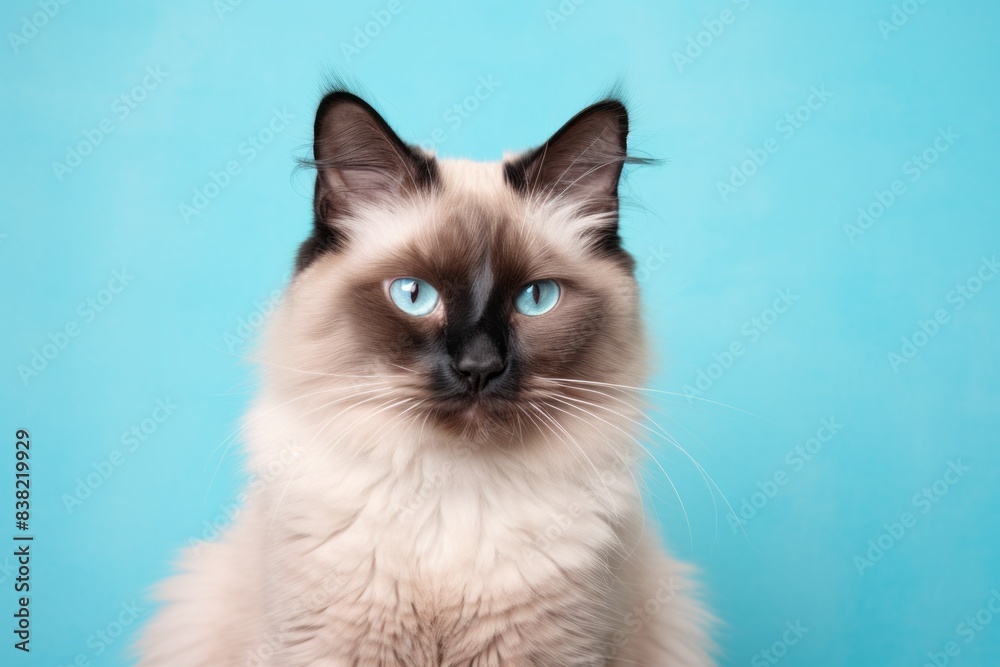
{"x":473,"y":410}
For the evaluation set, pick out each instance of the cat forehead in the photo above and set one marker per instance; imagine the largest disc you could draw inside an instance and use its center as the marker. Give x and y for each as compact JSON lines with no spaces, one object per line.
{"x":471,"y":216}
{"x":485,"y":179}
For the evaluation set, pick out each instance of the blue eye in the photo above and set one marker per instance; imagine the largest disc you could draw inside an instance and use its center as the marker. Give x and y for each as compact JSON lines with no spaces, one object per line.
{"x":413,"y":296}
{"x":537,"y":298}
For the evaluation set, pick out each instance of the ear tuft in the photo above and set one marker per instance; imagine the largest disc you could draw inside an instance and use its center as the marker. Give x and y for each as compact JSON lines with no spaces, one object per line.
{"x":582,"y":161}
{"x":359,"y":159}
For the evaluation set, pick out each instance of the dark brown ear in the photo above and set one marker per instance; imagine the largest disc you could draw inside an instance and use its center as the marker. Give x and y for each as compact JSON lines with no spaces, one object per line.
{"x":360,"y":159}
{"x":582,"y":161}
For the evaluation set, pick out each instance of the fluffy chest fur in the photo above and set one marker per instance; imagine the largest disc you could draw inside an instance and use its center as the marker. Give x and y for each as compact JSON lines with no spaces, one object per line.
{"x":444,"y":450}
{"x":442,"y":562}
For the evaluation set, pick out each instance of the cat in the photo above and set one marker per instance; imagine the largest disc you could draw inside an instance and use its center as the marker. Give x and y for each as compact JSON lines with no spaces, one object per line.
{"x":445,"y":448}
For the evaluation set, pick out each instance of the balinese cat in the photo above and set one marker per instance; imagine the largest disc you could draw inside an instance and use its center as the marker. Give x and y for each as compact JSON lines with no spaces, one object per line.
{"x":448,"y":432}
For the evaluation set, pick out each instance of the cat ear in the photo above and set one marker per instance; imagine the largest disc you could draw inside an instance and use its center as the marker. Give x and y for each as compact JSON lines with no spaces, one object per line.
{"x":582,"y":161}
{"x":359,"y":159}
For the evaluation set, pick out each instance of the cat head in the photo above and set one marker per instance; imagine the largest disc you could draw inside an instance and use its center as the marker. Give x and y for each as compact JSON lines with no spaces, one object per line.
{"x":472,"y":298}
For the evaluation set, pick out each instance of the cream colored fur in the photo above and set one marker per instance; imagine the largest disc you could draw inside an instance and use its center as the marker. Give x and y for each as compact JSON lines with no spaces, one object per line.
{"x":387,"y":542}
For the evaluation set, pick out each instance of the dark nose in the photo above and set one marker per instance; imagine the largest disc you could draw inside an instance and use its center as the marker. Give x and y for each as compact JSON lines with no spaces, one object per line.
{"x":478,"y":362}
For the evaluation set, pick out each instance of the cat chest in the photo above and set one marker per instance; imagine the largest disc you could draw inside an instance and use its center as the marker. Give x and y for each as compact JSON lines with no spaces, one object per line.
{"x":511,"y":614}
{"x":446,"y":592}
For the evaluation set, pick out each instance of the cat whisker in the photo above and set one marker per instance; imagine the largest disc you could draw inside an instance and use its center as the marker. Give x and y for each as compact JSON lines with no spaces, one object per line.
{"x":368,"y":415}
{"x":662,"y":431}
{"x":543,"y":427}
{"x":637,"y":482}
{"x":625,"y":387}
{"x":408,"y":370}
{"x":296,"y":398}
{"x":234,"y":435}
{"x":671,"y":439}
{"x":569,"y":438}
{"x":645,"y":449}
{"x":305,"y":371}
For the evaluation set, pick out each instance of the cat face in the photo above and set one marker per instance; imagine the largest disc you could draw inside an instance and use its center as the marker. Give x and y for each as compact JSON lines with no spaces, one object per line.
{"x":480,"y":298}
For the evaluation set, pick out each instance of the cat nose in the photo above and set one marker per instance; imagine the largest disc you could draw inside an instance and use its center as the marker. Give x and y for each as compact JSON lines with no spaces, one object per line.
{"x":478,"y":363}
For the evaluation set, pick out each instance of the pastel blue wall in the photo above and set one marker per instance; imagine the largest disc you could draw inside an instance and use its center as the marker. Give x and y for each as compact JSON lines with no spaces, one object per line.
{"x":903,"y":110}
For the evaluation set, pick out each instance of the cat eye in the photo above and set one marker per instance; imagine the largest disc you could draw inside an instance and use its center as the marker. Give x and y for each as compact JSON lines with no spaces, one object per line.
{"x":413,"y":296}
{"x":537,"y":298}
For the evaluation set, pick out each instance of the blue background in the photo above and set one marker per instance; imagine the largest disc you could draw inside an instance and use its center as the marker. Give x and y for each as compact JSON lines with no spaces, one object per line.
{"x":174,"y":332}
